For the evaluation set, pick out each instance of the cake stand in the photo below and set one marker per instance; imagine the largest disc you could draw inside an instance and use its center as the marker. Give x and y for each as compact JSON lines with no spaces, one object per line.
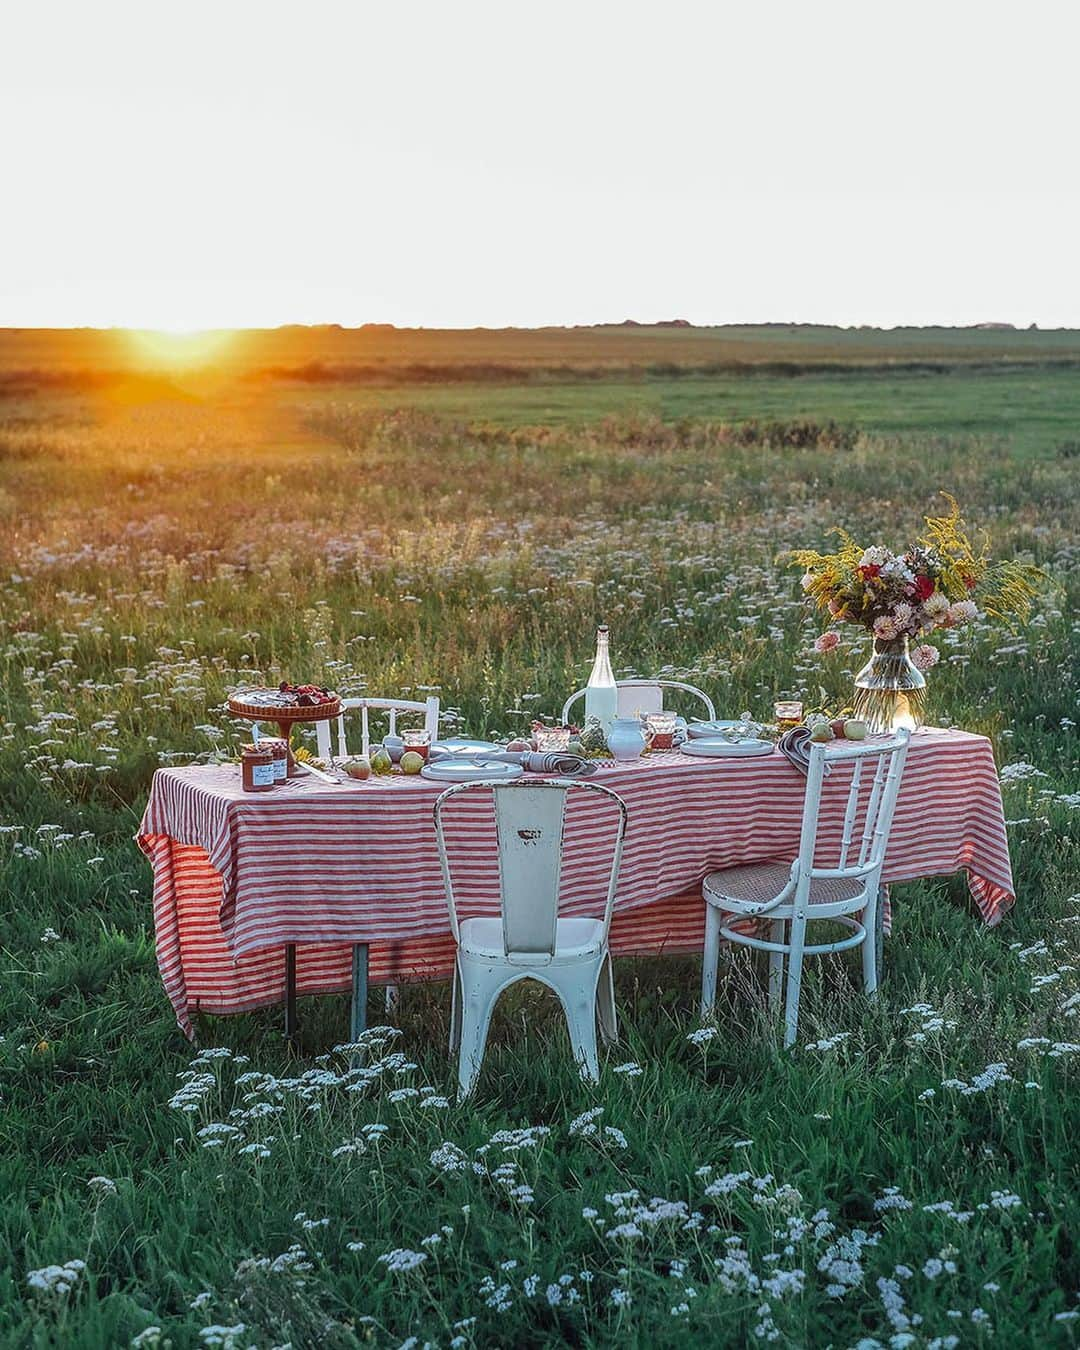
{"x":286,"y":718}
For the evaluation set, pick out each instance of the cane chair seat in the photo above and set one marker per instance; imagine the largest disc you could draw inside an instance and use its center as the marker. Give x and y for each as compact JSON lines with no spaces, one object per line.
{"x":745,"y":890}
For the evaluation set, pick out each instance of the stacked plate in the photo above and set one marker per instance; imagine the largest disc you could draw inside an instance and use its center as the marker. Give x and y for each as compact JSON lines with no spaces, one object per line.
{"x":719,"y":747}
{"x":471,"y":769}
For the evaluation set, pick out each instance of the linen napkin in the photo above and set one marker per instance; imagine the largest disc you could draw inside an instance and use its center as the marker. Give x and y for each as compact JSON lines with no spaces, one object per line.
{"x":795,"y":745}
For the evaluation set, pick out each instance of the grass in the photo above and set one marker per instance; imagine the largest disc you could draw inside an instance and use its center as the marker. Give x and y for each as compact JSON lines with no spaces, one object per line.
{"x":155,"y":554}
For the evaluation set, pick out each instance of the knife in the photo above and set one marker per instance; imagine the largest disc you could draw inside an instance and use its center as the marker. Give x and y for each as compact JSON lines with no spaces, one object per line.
{"x":334,"y":782}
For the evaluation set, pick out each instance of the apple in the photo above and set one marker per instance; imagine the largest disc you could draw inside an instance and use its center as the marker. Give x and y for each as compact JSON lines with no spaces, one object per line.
{"x":359,"y":767}
{"x":518,"y":746}
{"x":837,"y":725}
{"x":411,"y":762}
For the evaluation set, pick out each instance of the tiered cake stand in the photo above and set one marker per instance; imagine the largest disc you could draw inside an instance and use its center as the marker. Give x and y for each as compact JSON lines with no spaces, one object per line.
{"x":286,"y":717}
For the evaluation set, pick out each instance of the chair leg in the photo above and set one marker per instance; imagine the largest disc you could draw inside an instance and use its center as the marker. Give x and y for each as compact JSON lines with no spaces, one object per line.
{"x":869,"y":918}
{"x":776,"y":965}
{"x":710,"y":960}
{"x":794,"y":979}
{"x":577,"y":993}
{"x":476,"y":1005}
{"x":605,"y":1002}
{"x":455,"y":1011}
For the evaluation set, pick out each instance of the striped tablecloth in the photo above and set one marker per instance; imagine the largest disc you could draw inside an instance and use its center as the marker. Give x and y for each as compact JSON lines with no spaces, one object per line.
{"x":238,"y":875}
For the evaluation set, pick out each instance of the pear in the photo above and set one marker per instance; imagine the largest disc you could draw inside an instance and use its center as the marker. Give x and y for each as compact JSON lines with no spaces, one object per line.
{"x":381,"y":761}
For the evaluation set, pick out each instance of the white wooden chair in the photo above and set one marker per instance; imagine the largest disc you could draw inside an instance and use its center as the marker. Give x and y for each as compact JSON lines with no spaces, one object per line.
{"x":392,"y":706}
{"x":529,"y":940}
{"x":794,"y":893}
{"x":643,"y":696}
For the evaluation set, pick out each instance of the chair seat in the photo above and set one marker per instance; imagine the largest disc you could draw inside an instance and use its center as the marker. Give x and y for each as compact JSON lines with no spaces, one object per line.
{"x":573,"y":937}
{"x":743,"y":890}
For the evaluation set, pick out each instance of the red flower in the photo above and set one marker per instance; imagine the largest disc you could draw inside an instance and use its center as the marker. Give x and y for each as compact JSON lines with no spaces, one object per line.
{"x":924,"y":588}
{"x":969,"y":582}
{"x":870,"y":570}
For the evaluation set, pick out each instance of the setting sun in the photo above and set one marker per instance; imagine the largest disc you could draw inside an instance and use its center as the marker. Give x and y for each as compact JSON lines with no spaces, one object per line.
{"x":177,"y":348}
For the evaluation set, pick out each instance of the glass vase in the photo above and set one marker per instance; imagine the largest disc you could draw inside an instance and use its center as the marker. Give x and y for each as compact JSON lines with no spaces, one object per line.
{"x":890,"y":691}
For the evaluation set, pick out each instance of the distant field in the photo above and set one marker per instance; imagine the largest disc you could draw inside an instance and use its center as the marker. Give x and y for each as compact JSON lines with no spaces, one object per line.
{"x":415,"y":355}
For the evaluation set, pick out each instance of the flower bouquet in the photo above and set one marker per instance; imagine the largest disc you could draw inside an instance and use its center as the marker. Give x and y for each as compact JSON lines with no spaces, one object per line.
{"x":939,"y":582}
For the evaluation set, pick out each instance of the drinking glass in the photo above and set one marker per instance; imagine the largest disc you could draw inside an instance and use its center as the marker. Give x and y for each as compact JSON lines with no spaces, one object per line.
{"x":420,"y":741}
{"x":662,"y":725}
{"x":553,"y":738}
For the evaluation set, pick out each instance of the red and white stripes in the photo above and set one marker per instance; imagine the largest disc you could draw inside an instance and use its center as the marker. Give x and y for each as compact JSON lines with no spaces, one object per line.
{"x":237,"y":876}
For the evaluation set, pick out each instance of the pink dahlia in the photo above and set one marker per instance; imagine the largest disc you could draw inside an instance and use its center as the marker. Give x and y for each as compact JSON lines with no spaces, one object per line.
{"x":924,"y":656}
{"x":826,"y":642}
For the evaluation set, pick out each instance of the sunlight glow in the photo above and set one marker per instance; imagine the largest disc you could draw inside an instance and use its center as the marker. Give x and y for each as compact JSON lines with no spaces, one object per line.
{"x":177,"y":348}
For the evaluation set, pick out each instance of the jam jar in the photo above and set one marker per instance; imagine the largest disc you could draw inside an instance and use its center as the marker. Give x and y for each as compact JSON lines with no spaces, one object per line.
{"x":280,"y":750}
{"x":257,"y":768}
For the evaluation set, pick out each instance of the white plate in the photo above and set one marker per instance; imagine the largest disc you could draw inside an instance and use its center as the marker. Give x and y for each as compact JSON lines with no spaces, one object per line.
{"x":718,"y":748}
{"x":465,"y":745}
{"x":470,"y":770}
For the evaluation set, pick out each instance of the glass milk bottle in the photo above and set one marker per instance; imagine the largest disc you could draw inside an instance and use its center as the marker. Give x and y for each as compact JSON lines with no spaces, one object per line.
{"x":601,"y":693}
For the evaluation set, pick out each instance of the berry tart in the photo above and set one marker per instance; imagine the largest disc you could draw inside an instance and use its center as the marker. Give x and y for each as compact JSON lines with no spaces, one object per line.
{"x":286,"y":703}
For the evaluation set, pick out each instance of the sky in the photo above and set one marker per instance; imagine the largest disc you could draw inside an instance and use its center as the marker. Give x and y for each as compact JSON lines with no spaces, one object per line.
{"x":469,"y":164}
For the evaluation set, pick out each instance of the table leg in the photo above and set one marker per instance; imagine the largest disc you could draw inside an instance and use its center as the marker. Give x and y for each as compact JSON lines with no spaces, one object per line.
{"x":290,"y":994}
{"x":358,"y":1012}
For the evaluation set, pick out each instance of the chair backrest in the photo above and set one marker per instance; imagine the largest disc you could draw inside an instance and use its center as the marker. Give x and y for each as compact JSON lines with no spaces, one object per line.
{"x":643,"y":696}
{"x":391,"y":706}
{"x":529,"y":828}
{"x":868,"y":810}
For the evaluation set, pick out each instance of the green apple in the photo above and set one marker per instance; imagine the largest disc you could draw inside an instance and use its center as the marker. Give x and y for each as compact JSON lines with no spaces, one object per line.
{"x":411,"y":762}
{"x":855,"y":730}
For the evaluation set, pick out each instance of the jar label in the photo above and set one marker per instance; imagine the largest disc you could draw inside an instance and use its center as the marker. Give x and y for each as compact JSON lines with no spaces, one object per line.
{"x":281,"y":769}
{"x":262,"y":775}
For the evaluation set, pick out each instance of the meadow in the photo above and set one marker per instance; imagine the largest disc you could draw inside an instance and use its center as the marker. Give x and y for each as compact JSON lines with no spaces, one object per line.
{"x":905,"y":1177}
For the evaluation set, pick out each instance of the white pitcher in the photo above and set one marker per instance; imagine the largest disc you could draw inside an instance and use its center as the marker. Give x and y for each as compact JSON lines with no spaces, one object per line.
{"x":627,"y":738}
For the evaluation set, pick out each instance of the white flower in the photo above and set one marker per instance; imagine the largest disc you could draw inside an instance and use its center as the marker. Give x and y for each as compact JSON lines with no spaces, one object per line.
{"x":449,"y":1158}
{"x":702,"y":1036}
{"x":221,"y":1337}
{"x":401,"y":1260}
{"x":101,"y":1186}
{"x":56,"y":1281}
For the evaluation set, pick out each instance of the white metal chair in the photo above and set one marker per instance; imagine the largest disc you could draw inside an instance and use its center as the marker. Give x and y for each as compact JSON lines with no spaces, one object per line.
{"x":794,"y":893}
{"x":429,"y":707}
{"x":643,"y":696}
{"x":529,"y":940}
